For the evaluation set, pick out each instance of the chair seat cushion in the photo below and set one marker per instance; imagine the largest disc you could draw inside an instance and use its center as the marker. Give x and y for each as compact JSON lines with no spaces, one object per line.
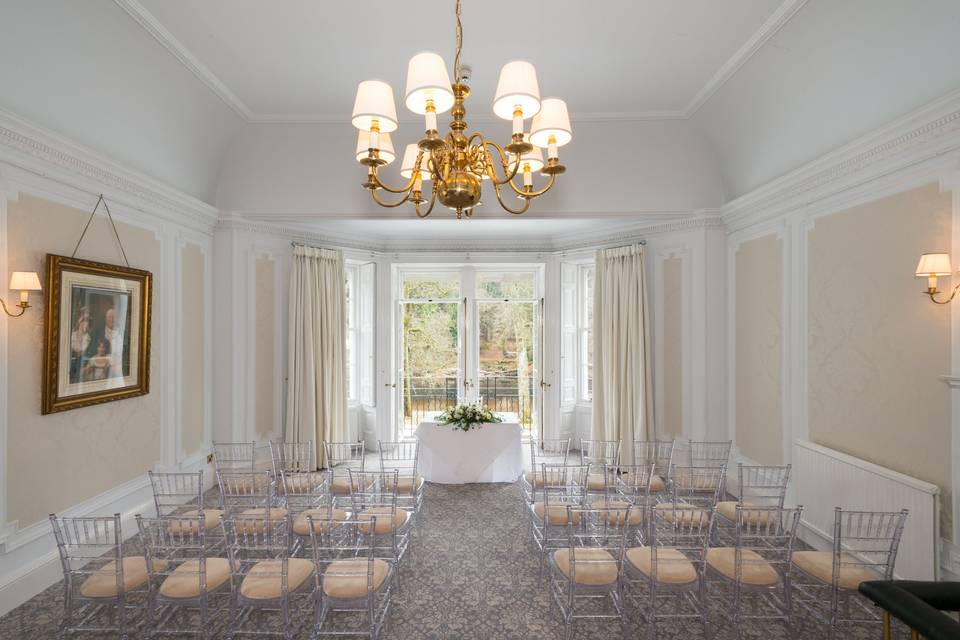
{"x":304,"y":481}
{"x":103,"y":582}
{"x":405,"y":484}
{"x":616,"y":517}
{"x":557,"y":512}
{"x":384,"y":523}
{"x":347,"y":579}
{"x":754,"y":570}
{"x":728,"y":509}
{"x":260,"y":514}
{"x":301,"y":528}
{"x":593,"y":567}
{"x":596,"y":481}
{"x":184,"y":582}
{"x":264,"y":582}
{"x":819,"y":565}
{"x":657,"y":484}
{"x":673,"y":567}
{"x":183,"y":523}
{"x":537,"y":480}
{"x":689,"y":515}
{"x":341,"y":485}
{"x":696,"y":482}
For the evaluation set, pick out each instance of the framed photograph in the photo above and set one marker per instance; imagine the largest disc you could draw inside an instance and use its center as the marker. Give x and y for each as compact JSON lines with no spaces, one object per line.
{"x":97,"y":342}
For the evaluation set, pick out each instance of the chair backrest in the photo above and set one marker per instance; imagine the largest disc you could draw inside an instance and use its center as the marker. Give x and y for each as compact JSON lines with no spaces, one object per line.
{"x":630,"y":482}
{"x":373,"y":490}
{"x":656,"y":452}
{"x":763,"y":485}
{"x":769,"y":532}
{"x":304,"y":490}
{"x":170,"y":541}
{"x":867,"y":540}
{"x":86,"y":545}
{"x":344,"y":455}
{"x":599,"y":453}
{"x":234,"y":456}
{"x":175,"y":493}
{"x":699,"y":486}
{"x":332,"y":541}
{"x":399,"y":455}
{"x":686,"y":529}
{"x":550,"y":451}
{"x":563,"y":483}
{"x":600,"y":528}
{"x":293,"y":457}
{"x":704,"y":453}
{"x":253,"y":539}
{"x":240,"y":490}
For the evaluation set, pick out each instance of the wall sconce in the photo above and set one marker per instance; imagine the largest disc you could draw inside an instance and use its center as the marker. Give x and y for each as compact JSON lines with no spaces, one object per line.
{"x":25,"y":281}
{"x":932,"y":265}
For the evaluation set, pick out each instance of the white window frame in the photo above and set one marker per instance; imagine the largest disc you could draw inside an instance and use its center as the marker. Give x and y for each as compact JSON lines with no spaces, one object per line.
{"x":352,"y":289}
{"x":584,"y":333}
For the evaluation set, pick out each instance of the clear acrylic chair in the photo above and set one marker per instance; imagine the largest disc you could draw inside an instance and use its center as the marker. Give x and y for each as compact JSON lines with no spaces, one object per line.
{"x":273,"y":593}
{"x":705,"y":453}
{"x":351,"y":580}
{"x":374,"y":503}
{"x":402,"y":457}
{"x":598,"y":454}
{"x":249,"y":494}
{"x":102,"y":589}
{"x":542,"y":451}
{"x":658,"y":453}
{"x":629,"y":486}
{"x":759,"y":486}
{"x":865,"y":545}
{"x":585,"y":573}
{"x":665,"y":577}
{"x":180,"y":495}
{"x":186,"y":576}
{"x":234,"y":456}
{"x":342,"y":457}
{"x":293,"y":457}
{"x":564,"y":486}
{"x":297,"y":482}
{"x":693,"y":492}
{"x":758,"y":565}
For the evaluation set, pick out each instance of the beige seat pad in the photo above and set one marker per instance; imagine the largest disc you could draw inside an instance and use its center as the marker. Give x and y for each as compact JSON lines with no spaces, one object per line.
{"x":103,"y":582}
{"x":616,"y":517}
{"x":537,"y":481}
{"x":688,"y":514}
{"x":754,"y":570}
{"x":593,"y":567}
{"x":384,"y":524}
{"x":819,"y":564}
{"x":557,"y":512}
{"x":263,"y":581}
{"x":301,"y":528}
{"x":347,"y":579}
{"x":673,"y":567}
{"x":303,"y":482}
{"x":182,"y":523}
{"x":184,"y":582}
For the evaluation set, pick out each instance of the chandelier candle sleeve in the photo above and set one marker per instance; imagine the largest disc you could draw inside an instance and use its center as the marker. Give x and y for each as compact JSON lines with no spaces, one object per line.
{"x":410,"y":158}
{"x":385,"y":148}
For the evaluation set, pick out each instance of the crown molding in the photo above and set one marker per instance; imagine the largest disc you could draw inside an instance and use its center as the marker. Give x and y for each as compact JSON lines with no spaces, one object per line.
{"x":926,"y":137}
{"x":769,"y":28}
{"x":50,"y":156}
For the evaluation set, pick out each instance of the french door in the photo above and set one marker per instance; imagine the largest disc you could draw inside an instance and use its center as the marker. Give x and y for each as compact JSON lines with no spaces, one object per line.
{"x":468,"y":334}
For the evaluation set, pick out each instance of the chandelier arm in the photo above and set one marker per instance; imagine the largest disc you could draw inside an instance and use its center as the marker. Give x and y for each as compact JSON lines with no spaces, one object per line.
{"x":433,"y":201}
{"x":405,"y":189}
{"x":533,"y":194}
{"x":503,"y":205}
{"x":503,"y":162}
{"x":373,"y":194}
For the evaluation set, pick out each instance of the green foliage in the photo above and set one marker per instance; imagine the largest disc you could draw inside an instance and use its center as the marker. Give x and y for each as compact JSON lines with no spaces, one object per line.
{"x":465,"y":417}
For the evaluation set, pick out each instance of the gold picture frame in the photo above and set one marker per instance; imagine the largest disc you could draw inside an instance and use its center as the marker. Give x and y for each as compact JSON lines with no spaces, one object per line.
{"x":97,"y":337}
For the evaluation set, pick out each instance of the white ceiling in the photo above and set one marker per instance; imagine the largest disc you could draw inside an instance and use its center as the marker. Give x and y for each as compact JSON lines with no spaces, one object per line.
{"x":301,"y":59}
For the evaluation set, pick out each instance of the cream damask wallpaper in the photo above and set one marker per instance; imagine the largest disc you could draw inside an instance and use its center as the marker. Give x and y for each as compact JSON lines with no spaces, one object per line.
{"x":192,"y":346}
{"x":877,"y":346}
{"x":264,"y":351}
{"x":673,"y":347}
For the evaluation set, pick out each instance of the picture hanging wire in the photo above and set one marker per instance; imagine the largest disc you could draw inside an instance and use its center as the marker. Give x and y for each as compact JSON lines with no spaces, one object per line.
{"x":112,"y":224}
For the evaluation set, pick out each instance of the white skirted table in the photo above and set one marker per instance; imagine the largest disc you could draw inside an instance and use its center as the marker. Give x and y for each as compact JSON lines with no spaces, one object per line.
{"x":490,"y":453}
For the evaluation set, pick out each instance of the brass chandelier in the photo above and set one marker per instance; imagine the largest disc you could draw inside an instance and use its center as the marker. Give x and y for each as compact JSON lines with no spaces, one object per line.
{"x":456,"y":165}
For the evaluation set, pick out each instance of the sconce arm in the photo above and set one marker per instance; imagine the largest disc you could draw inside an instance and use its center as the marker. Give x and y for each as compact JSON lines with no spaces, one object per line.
{"x":23,"y":309}
{"x":947,"y":301}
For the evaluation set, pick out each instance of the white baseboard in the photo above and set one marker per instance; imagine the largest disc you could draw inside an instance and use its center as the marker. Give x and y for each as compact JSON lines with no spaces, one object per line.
{"x":29,"y":561}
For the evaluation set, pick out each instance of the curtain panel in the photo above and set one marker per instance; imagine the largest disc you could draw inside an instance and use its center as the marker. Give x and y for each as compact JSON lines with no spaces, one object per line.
{"x":317,"y":349}
{"x":622,"y":375}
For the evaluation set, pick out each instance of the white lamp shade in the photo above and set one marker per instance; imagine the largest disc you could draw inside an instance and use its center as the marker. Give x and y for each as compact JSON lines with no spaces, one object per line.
{"x":410,"y":158}
{"x":553,"y":120}
{"x":534,"y":157}
{"x":386,"y":147}
{"x":25,"y":281}
{"x":517,"y":86}
{"x":934,"y":264}
{"x":375,"y":102}
{"x":427,"y":78}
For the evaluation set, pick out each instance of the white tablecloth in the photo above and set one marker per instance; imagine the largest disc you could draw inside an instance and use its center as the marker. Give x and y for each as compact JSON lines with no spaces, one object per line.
{"x":491,"y":453}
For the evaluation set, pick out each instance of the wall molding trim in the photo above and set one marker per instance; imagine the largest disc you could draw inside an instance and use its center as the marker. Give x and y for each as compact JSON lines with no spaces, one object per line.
{"x":52,"y":157}
{"x":922,"y":141}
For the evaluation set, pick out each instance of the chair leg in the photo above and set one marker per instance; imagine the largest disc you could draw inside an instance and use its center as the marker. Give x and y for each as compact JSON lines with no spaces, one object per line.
{"x":887,"y":634}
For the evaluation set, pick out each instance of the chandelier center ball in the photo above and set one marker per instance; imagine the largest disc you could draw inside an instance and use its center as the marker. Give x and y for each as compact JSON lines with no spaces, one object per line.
{"x":461,"y":190}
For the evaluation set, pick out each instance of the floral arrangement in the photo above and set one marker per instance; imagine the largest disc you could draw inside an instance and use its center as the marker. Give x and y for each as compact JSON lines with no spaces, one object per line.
{"x":467,"y":416}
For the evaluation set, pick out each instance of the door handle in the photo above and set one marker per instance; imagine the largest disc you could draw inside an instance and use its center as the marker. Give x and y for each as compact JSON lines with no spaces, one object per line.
{"x":544,"y":384}
{"x":393,"y":385}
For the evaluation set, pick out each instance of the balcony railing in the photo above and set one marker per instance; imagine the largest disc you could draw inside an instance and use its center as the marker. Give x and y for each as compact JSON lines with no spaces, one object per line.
{"x":425,"y":396}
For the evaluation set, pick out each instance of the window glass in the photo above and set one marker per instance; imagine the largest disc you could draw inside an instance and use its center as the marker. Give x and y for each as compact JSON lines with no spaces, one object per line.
{"x":431,"y":286}
{"x":505,"y":286}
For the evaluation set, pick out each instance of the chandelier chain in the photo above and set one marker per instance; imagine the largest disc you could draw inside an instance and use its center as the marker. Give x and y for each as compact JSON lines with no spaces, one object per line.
{"x":456,"y":59}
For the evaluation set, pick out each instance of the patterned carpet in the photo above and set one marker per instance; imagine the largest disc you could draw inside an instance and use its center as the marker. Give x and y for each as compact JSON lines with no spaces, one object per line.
{"x":473,"y":574}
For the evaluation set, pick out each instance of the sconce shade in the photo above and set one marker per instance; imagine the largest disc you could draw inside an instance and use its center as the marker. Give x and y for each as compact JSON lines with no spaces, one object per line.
{"x":410,"y":158}
{"x":934,"y":264}
{"x":375,"y":102}
{"x":517,"y":86}
{"x":553,"y":120}
{"x":386,"y":147}
{"x":25,"y":281}
{"x":427,"y":79}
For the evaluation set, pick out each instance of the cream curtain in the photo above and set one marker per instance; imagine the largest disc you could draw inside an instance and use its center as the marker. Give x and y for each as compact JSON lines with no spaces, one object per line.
{"x":622,"y":375}
{"x":317,"y":349}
